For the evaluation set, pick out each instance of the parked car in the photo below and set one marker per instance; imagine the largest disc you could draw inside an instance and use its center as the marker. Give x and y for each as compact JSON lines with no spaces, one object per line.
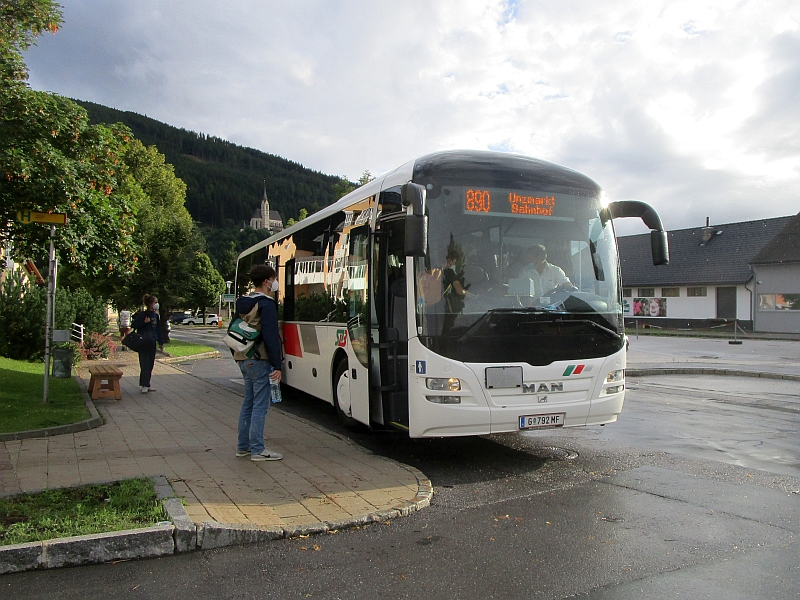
{"x":179,"y":317}
{"x":211,"y":319}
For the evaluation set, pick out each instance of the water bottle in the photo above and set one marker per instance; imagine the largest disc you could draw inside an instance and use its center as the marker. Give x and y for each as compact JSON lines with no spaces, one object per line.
{"x":276,"y":392}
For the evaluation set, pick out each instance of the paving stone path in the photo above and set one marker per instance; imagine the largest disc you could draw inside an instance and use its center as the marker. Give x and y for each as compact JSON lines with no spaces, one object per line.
{"x":186,"y":431}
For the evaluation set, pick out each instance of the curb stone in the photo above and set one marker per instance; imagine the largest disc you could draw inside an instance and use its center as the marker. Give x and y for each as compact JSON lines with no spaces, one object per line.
{"x":219,"y":535}
{"x":643,"y":372}
{"x":185,"y":534}
{"x":88,"y":549}
{"x":94,"y":421}
{"x":103,"y":547}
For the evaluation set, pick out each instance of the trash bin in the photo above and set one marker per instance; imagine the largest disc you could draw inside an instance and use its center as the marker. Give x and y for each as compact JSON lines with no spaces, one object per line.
{"x":62,"y":363}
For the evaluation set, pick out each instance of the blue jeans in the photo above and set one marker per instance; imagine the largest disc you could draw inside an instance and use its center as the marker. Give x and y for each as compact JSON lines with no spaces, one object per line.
{"x":254,"y":408}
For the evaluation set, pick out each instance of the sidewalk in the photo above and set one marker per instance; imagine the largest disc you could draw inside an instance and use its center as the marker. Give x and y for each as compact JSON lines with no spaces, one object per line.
{"x":186,"y":431}
{"x":769,"y":358}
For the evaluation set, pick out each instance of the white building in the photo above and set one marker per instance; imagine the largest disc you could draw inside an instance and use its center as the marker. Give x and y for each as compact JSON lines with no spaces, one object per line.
{"x":709,"y":280}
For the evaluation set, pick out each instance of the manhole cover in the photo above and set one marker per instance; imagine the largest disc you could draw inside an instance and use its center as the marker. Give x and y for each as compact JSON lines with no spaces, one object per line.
{"x":553,"y":453}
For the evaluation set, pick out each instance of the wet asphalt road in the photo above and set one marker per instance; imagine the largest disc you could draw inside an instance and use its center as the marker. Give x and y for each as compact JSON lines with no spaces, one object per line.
{"x":694,"y":493}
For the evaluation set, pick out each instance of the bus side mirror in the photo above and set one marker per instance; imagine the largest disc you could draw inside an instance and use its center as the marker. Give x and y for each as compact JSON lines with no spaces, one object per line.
{"x":416,"y":242}
{"x":416,"y":238}
{"x":659,"y":246}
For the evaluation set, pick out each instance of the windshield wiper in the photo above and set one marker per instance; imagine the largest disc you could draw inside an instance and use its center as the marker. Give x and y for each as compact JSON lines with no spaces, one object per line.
{"x":610,"y":332}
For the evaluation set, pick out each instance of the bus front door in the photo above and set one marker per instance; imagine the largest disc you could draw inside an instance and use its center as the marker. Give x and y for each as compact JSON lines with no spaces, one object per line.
{"x":390,"y":333}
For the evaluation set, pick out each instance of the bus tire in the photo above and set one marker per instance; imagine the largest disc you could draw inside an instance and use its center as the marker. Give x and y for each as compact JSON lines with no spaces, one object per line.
{"x":341,"y":396}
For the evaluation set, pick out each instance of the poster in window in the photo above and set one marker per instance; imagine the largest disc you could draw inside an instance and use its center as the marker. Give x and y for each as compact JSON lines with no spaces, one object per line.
{"x":649,"y":307}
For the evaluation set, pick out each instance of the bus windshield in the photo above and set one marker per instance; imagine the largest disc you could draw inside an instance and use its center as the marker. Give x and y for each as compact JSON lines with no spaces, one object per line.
{"x":522,"y":275}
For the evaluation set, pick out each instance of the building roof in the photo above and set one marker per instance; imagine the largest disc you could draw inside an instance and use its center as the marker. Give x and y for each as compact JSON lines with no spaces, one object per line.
{"x":784,"y":247}
{"x":723,"y":259}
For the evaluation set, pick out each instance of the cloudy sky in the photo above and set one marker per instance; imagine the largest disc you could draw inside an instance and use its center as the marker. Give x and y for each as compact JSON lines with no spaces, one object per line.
{"x":692,"y":106}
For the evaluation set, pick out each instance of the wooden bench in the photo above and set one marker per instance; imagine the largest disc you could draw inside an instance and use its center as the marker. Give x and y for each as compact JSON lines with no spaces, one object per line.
{"x":104,"y":382}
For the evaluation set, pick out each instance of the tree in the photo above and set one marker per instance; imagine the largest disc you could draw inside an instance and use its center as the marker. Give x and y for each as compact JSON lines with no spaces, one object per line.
{"x":365,"y":178}
{"x":166,"y":236}
{"x":205,"y":284}
{"x":227,"y":262}
{"x":22,"y":316}
{"x":303,"y":214}
{"x":342,"y":187}
{"x":51,"y":160}
{"x":21,"y":22}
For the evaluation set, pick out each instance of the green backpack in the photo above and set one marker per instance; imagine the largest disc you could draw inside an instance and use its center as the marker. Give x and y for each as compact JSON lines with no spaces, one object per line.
{"x":242,"y":337}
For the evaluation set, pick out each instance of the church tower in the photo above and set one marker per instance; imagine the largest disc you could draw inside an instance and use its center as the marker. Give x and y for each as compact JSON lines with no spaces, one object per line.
{"x":265,"y":209}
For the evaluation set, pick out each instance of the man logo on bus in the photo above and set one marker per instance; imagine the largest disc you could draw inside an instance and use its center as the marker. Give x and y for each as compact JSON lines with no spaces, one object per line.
{"x":533,"y":388}
{"x":341,"y":337}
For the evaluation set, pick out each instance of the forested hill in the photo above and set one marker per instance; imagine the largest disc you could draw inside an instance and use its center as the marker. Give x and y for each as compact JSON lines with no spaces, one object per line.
{"x":225,"y":182}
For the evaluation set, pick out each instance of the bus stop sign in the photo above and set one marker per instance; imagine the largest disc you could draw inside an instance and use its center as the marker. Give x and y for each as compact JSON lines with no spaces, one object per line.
{"x":29,"y":216}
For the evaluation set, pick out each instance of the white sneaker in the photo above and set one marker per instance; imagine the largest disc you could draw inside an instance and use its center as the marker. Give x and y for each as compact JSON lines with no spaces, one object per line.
{"x":152,"y":389}
{"x":266,"y":454}
{"x":143,"y":390}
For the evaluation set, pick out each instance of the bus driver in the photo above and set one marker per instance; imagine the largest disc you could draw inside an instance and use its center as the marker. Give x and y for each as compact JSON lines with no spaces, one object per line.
{"x":546,"y":277}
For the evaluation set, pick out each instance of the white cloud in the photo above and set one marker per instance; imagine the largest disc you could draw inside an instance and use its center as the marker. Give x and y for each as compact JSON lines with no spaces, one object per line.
{"x":690,"y":106}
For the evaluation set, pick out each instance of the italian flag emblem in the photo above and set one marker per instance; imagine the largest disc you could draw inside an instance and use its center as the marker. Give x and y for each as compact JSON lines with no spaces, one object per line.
{"x":576,"y":370}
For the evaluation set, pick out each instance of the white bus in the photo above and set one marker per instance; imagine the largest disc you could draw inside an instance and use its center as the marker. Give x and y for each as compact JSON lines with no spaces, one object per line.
{"x":413,"y":302}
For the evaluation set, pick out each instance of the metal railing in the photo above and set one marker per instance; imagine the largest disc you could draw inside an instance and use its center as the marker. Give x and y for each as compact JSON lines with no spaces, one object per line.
{"x":77,"y":333}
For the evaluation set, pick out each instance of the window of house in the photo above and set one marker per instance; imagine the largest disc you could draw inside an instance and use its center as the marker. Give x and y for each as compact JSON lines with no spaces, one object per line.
{"x":648,"y":292}
{"x":627,"y":292}
{"x":696,"y":292}
{"x":770,"y":302}
{"x":671,"y":292}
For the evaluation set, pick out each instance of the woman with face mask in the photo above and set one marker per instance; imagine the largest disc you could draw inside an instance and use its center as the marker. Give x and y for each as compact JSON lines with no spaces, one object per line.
{"x":146,"y":322}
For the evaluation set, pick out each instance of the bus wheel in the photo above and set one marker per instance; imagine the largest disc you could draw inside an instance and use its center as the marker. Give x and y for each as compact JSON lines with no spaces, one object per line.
{"x":341,"y":396}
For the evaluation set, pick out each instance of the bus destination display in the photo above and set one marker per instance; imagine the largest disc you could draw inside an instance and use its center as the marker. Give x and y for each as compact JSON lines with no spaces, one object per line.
{"x":479,"y":201}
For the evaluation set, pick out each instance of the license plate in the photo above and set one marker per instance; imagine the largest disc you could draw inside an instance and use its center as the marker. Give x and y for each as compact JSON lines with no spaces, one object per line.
{"x":533,"y":421}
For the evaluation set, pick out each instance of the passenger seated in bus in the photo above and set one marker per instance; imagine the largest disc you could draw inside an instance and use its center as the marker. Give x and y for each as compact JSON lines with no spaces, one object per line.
{"x":453,"y":291}
{"x":546,"y":277}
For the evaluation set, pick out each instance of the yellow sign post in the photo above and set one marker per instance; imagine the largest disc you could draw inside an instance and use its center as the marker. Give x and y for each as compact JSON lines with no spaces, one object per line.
{"x":29,"y":216}
{"x":52,"y":219}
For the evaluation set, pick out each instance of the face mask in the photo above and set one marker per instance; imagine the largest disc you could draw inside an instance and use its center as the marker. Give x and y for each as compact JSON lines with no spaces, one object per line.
{"x":274,"y":287}
{"x":155,"y":307}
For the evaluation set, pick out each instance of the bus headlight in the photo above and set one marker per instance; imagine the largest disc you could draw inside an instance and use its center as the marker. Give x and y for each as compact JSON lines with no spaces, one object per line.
{"x":614,"y":389}
{"x":615,"y":376}
{"x":444,"y":399}
{"x":442,"y":384}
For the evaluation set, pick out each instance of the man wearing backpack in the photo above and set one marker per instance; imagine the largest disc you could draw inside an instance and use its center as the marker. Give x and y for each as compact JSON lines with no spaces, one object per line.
{"x":260,"y":367}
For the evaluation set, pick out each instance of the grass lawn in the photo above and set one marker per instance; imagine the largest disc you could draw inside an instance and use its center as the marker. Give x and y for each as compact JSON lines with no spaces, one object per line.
{"x":180,"y":348}
{"x":21,"y":405}
{"x":65,"y":512}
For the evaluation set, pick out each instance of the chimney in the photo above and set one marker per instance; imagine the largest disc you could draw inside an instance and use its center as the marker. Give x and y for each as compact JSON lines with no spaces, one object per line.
{"x":708,"y":232}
